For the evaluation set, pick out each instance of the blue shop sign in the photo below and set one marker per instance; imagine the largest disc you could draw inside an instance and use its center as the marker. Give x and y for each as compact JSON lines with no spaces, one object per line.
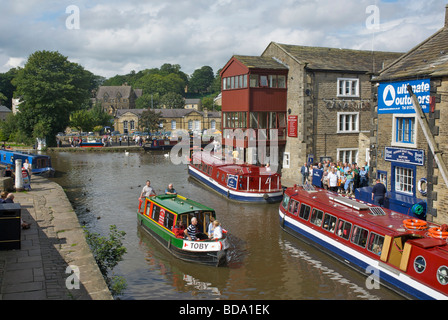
{"x":409,"y":156}
{"x":393,"y":97}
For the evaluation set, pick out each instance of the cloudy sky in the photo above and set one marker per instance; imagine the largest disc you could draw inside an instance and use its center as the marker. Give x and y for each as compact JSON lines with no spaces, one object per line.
{"x":115,"y":37}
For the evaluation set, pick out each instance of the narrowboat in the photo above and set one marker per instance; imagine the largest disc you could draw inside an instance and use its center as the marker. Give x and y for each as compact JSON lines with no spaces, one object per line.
{"x":91,"y":143}
{"x":168,"y":144}
{"x":239,"y":182}
{"x":40,"y":164}
{"x":166,"y":216}
{"x":407,"y":255}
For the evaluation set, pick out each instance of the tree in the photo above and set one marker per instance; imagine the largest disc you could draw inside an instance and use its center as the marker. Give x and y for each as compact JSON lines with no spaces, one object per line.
{"x":172,"y":100}
{"x":51,"y":88}
{"x":149,"y":121}
{"x":201,"y":80}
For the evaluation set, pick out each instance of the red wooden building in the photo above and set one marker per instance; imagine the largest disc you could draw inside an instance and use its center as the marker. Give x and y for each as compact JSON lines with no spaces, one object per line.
{"x":254,"y":91}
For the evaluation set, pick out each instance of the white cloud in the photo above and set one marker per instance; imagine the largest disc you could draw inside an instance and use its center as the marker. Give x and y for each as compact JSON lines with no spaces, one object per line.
{"x":116,"y":37}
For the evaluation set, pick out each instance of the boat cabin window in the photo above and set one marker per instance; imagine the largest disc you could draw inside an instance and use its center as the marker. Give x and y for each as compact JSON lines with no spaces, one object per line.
{"x":304,"y":211}
{"x":163,"y":217}
{"x":285,"y":201}
{"x":343,"y":229}
{"x":375,"y":243}
{"x":359,"y":236}
{"x":316,"y":217}
{"x":294,"y":207}
{"x":202,"y":216}
{"x":329,"y":222}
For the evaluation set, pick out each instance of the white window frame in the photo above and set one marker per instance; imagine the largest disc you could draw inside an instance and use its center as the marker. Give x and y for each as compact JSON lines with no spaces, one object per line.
{"x":354,"y":152}
{"x":173,"y":124}
{"x":404,"y":180}
{"x":342,"y":84}
{"x":394,"y":141}
{"x":351,"y":129}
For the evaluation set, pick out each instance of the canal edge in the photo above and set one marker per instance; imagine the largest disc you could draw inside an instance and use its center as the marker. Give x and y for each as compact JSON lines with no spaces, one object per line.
{"x":54,"y":261}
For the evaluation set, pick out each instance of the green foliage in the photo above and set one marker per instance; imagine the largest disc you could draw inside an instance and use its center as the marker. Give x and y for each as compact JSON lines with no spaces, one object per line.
{"x":201,"y":80}
{"x":108,"y":252}
{"x":51,"y":88}
{"x":149,"y":121}
{"x":172,"y":100}
{"x":148,"y":100}
{"x":6,"y":87}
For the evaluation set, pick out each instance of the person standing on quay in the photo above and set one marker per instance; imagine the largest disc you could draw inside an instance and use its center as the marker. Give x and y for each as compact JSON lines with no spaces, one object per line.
{"x":305,"y":173}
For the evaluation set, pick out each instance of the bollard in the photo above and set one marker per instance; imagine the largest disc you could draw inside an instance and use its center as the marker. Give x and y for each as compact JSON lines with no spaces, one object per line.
{"x":19,"y":179}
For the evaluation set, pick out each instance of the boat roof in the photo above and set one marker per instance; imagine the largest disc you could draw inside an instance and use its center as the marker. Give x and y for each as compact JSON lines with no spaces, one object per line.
{"x":179,"y":204}
{"x":23,"y":153}
{"x":229,"y":167}
{"x":361,"y":213}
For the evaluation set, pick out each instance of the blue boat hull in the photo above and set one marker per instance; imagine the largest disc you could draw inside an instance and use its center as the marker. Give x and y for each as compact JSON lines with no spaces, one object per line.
{"x":270,"y":197}
{"x":390,"y":279}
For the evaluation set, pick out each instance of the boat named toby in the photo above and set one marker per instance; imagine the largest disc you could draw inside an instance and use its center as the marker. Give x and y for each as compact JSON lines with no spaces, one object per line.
{"x":165,"y":217}
{"x":407,"y":255}
{"x":240,"y":182}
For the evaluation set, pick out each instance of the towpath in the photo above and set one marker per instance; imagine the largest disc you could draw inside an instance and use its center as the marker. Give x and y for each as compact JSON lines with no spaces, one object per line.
{"x":55,"y":241}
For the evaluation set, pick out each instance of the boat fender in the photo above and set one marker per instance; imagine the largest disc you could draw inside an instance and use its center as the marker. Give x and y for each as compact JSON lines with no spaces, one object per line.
{"x":228,"y":193}
{"x":265,"y":196}
{"x":422,"y":186}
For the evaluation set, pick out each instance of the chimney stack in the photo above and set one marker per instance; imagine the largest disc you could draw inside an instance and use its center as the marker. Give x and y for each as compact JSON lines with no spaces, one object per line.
{"x":446,"y":16}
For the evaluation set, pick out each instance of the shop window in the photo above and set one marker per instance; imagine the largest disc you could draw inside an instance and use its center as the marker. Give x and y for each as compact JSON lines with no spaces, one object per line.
{"x":404,"y":179}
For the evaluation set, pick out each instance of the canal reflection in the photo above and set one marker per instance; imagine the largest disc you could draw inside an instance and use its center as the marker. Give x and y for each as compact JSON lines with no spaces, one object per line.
{"x":264,"y":262}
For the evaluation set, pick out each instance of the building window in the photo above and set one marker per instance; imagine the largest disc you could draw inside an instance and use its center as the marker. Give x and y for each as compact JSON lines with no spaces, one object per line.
{"x":348,"y":87}
{"x":404,"y":180}
{"x":253,"y":81}
{"x":263,"y":81}
{"x":404,"y":130}
{"x":132,"y":123}
{"x":173,"y":124}
{"x":190,"y":124}
{"x":125,"y":125}
{"x":281,"y":81}
{"x":272,"y":81}
{"x":213,"y":125}
{"x":348,"y":122}
{"x":197,"y":125}
{"x":348,"y":155}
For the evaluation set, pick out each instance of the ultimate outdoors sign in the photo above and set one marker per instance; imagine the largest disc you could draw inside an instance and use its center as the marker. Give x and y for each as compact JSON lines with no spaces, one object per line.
{"x":393,"y":97}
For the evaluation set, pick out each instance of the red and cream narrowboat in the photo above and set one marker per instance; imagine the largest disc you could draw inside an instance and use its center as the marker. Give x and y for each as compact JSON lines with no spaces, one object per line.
{"x":410,"y":256}
{"x":240,"y":182}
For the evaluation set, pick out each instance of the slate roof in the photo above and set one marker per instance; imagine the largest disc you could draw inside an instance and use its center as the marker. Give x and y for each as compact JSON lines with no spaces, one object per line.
{"x":112,"y":91}
{"x":334,"y":59}
{"x":169,"y":113}
{"x":254,"y":62}
{"x":426,"y":60}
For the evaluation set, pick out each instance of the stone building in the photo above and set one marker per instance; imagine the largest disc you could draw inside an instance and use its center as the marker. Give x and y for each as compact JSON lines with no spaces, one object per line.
{"x":329,"y":103}
{"x":193,"y":104}
{"x":113,"y":98}
{"x":402,"y":156}
{"x":127,"y":120}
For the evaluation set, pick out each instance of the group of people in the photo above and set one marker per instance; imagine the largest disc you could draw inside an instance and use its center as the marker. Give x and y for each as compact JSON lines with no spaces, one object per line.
{"x":338,"y":177}
{"x":148,"y":191}
{"x":191,"y":233}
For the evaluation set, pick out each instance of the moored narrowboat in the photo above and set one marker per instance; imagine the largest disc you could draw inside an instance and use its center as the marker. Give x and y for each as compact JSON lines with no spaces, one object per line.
{"x":409,"y":256}
{"x":165,"y":217}
{"x":40,"y":164}
{"x":240,"y":182}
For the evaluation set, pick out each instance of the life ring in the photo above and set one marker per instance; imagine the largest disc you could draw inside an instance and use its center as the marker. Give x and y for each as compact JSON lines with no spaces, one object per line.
{"x":422,"y":182}
{"x":438,"y":233}
{"x":415,"y":224}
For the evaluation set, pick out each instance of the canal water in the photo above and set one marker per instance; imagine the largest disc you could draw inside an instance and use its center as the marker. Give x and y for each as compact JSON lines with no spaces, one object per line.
{"x":264,"y":262}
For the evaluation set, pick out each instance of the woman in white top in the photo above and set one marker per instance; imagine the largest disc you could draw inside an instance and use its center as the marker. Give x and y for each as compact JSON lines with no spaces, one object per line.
{"x":217,"y":230}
